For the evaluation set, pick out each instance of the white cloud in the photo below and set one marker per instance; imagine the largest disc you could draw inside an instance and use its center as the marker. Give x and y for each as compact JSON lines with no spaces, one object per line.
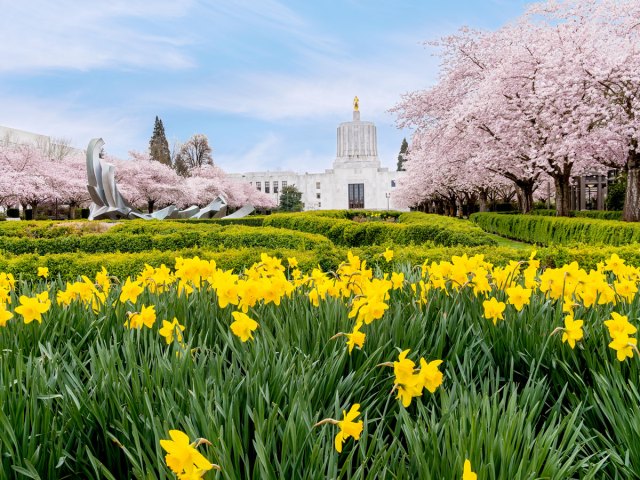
{"x":326,"y":91}
{"x":67,"y":34}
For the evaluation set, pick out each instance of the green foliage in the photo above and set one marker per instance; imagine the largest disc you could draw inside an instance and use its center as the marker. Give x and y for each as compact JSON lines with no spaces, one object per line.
{"x":402,"y":155}
{"x":290,"y":199}
{"x":71,"y":266}
{"x":413,"y":228}
{"x":563,"y":231}
{"x":84,"y":397}
{"x":158,"y":145}
{"x":616,"y":193}
{"x":164,"y":237}
{"x":598,"y":214}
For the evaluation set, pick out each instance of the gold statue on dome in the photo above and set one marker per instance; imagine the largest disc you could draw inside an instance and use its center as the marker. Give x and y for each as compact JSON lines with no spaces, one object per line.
{"x":356,"y":104}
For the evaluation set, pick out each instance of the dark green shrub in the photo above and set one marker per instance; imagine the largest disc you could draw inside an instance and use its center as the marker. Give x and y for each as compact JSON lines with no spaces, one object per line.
{"x":558,"y":230}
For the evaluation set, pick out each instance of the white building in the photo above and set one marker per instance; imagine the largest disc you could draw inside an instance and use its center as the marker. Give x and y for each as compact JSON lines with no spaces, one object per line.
{"x":56,"y":147}
{"x":355,"y":181}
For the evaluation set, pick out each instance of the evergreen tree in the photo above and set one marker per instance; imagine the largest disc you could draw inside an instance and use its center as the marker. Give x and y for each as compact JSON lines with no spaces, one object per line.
{"x":290,"y":199}
{"x":616,"y":193}
{"x":402,"y":155}
{"x":158,"y":145}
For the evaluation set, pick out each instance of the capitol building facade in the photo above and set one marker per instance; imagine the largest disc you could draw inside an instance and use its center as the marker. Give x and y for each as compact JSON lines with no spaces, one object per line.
{"x":355,"y":181}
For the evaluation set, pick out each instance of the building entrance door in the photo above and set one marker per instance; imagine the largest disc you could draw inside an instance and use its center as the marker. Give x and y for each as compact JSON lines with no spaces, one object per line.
{"x":356,"y":195}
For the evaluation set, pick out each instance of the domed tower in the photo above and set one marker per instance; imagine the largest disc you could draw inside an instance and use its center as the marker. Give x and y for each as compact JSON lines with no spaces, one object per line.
{"x":357,"y":142}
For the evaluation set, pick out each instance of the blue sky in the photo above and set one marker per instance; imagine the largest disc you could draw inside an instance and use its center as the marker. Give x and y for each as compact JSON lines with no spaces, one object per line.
{"x":267,"y":81}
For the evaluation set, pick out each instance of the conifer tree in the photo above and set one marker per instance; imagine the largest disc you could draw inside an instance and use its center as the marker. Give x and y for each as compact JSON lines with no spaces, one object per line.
{"x":291,"y":199}
{"x":158,"y":145}
{"x":402,"y":155}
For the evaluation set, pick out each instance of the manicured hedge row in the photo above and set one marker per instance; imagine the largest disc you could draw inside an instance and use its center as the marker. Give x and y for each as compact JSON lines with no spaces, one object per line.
{"x":414,"y":228}
{"x":70,"y":266}
{"x":251,"y":221}
{"x":599,"y":214}
{"x":56,"y":229}
{"x":234,"y":236}
{"x":50,"y":229}
{"x":559,"y":230}
{"x":351,"y":214}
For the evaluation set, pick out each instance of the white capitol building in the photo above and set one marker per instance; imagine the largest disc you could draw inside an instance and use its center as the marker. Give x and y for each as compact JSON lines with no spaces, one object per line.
{"x":355,"y":181}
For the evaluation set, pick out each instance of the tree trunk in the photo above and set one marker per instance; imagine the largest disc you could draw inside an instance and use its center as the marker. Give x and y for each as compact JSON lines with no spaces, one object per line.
{"x":631,"y":212}
{"x":563,"y":194}
{"x":483,"y":201}
{"x":524,"y":191}
{"x":150,"y":204}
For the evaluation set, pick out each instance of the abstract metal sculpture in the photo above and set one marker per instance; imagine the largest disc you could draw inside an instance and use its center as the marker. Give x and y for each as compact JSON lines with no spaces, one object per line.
{"x":108,"y":203}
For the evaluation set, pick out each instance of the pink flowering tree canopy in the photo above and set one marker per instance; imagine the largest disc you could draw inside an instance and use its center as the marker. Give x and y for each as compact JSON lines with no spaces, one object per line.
{"x":550,"y":96}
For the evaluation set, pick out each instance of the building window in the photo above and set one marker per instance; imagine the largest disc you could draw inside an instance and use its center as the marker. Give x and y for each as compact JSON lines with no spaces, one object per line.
{"x":318,"y":185}
{"x":266,"y":187}
{"x":319,"y":204}
{"x":393,"y":183}
{"x":284,"y":183}
{"x":275,"y":186}
{"x":258,"y":186}
{"x":318,"y":196}
{"x":356,"y":195}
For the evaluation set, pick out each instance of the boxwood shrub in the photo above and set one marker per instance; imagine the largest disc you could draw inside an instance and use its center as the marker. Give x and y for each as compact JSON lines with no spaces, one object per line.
{"x":559,"y":230}
{"x":413,"y":228}
{"x":233,"y":236}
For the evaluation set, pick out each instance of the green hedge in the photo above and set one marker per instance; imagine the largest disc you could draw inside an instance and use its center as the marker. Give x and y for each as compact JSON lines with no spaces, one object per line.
{"x":49,"y":229}
{"x":414,"y":228}
{"x":559,"y":230}
{"x":251,"y":221}
{"x":234,"y":236}
{"x":56,"y":229}
{"x":373,"y":215}
{"x":599,"y":214}
{"x":70,"y":266}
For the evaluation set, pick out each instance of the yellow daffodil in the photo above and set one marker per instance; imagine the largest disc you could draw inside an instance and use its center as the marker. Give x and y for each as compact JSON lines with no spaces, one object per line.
{"x":7,"y":281}
{"x":397,"y":280}
{"x":5,"y":315}
{"x":388,"y":254}
{"x":32,"y":308}
{"x":572,"y":331}
{"x":146,"y":317}
{"x":43,"y":272}
{"x":182,"y":457}
{"x":619,"y":325}
{"x":467,"y":473}
{"x":243,"y":326}
{"x":171,"y":330}
{"x":293,"y":263}
{"x":518,"y":296}
{"x":349,"y":428}
{"x":130,"y":291}
{"x":5,"y":296}
{"x":355,"y":338}
{"x":103,"y":280}
{"x":624,"y":346}
{"x":493,"y":310}
{"x":430,"y":376}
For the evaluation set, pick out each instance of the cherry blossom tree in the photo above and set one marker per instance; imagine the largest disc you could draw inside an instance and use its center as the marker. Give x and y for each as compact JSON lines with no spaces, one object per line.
{"x":155,"y":182}
{"x":523,"y":103}
{"x":605,"y":41}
